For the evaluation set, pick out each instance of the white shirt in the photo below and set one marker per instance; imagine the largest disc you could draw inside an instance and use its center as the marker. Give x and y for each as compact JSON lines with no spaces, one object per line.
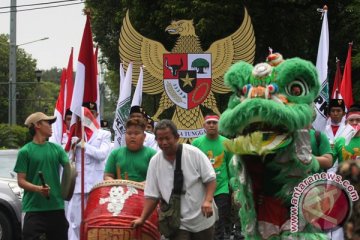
{"x":96,"y":151}
{"x":197,"y":171}
{"x":150,"y":141}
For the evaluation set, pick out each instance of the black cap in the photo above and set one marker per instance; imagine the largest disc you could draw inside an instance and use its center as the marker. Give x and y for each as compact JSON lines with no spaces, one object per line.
{"x":104,"y":123}
{"x":150,"y":120}
{"x":337,"y":103}
{"x":136,"y":109}
{"x":68,"y":112}
{"x":90,"y":105}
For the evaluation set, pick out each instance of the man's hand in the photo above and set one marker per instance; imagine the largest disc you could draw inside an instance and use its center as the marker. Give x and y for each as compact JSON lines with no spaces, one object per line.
{"x":137,"y":222}
{"x":75,"y":142}
{"x":45,"y":191}
{"x":207,"y":209}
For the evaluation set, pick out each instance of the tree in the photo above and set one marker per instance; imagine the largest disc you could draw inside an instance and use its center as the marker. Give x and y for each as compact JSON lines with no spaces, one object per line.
{"x":25,"y":74}
{"x":53,"y":75}
{"x":289,"y":27}
{"x":31,"y":95}
{"x":200,"y":64}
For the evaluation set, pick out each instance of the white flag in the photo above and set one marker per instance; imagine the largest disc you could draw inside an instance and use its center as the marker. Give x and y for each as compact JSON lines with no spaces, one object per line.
{"x":322,"y":66}
{"x":122,"y":76}
{"x":123,"y":109}
{"x":137,"y":98}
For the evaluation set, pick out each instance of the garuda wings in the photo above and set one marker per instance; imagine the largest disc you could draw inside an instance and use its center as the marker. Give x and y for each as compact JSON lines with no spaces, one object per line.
{"x":133,"y":47}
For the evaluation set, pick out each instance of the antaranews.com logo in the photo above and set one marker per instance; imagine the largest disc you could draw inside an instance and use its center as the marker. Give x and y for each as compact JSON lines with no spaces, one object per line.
{"x":323,"y":200}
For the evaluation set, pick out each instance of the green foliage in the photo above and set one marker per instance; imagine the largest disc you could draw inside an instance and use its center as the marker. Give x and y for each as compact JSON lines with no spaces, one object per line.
{"x":31,"y":95}
{"x":52,"y":75}
{"x":13,"y":136}
{"x":288,"y":26}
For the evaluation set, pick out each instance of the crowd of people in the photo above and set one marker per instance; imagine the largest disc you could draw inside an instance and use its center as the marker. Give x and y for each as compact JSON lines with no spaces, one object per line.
{"x":149,"y":157}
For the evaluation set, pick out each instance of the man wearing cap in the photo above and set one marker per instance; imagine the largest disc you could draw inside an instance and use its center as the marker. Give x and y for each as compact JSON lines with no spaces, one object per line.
{"x":336,"y":112}
{"x":97,"y":148}
{"x":37,"y":167}
{"x":212,"y":145}
{"x":336,"y":125}
{"x":138,"y":112}
{"x":149,"y":125}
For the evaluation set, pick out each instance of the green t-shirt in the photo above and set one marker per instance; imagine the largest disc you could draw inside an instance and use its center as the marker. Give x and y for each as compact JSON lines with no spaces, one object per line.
{"x":47,"y":158}
{"x":347,"y":152}
{"x":219,"y":158}
{"x":132,"y":164}
{"x":321,"y":148}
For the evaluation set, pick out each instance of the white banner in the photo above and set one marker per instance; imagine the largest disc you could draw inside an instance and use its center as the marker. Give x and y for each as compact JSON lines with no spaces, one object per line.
{"x":322,"y":66}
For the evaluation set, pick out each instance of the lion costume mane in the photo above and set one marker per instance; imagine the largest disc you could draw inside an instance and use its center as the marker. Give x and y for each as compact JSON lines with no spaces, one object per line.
{"x":269,"y":112}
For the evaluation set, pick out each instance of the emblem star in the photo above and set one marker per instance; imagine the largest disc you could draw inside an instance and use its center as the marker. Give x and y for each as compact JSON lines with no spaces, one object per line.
{"x":187,"y":80}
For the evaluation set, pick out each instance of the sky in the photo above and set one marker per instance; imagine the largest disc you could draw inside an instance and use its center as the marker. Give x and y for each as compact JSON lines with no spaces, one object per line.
{"x":63,"y":26}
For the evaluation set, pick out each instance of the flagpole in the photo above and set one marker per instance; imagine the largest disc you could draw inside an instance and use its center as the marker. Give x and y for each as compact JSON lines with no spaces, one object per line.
{"x":338,"y":84}
{"x":82,"y":180}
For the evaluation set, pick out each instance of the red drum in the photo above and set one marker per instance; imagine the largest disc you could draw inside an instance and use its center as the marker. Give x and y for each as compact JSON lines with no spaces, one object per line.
{"x":111,"y":207}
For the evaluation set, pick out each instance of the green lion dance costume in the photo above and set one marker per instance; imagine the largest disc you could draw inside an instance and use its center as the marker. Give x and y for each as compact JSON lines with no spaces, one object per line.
{"x":269,"y":111}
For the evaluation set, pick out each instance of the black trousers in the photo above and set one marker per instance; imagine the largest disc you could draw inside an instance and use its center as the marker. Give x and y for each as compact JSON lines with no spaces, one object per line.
{"x":49,"y":225}
{"x":206,"y":234}
{"x":223,"y":202}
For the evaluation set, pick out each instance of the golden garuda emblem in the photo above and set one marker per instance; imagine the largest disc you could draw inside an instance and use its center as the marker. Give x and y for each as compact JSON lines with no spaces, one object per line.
{"x":187,"y":76}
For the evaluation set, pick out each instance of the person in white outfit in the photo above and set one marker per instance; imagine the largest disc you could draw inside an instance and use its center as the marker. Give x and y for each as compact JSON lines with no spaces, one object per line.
{"x":333,"y":129}
{"x":97,"y":148}
{"x":336,"y":123}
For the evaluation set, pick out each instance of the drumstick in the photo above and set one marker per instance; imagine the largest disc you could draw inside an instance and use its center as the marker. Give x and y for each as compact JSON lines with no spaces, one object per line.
{"x":41,"y":176}
{"x":118,"y":172}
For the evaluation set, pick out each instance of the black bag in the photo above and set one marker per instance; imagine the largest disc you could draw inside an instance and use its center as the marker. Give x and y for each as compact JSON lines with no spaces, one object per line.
{"x":169,"y":214}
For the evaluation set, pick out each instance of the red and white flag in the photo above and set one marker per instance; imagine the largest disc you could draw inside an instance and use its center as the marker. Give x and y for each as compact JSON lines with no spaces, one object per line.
{"x":63,"y":102}
{"x":58,"y":126}
{"x":69,"y":85}
{"x":89,"y":121}
{"x":85,"y":88}
{"x":346,"y":84}
{"x":337,"y":82}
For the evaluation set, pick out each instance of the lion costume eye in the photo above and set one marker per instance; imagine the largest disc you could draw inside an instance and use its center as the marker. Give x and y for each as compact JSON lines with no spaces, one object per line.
{"x":297,"y":88}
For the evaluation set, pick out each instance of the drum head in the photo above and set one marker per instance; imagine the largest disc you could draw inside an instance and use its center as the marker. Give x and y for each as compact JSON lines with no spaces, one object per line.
{"x":68,"y":181}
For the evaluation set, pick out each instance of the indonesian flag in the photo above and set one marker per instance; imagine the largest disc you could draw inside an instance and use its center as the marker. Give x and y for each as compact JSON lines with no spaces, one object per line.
{"x":89,"y":121}
{"x":58,"y":126}
{"x":346,"y":85}
{"x":322,"y":66}
{"x":85,"y":88}
{"x":137,"y":98}
{"x":123,"y":108}
{"x":69,"y":81}
{"x":63,"y":102}
{"x":337,"y":82}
